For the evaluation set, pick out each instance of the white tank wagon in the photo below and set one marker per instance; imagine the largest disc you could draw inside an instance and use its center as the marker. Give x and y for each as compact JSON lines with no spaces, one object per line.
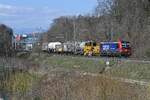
{"x":52,"y":46}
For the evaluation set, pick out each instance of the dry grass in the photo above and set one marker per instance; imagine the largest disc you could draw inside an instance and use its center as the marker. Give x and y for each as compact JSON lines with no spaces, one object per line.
{"x":72,"y":86}
{"x":61,"y":78}
{"x":131,"y":70}
{"x":67,"y":63}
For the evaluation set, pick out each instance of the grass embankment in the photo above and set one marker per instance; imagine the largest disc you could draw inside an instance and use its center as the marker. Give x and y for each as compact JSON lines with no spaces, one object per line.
{"x":17,"y":81}
{"x":73,"y":86}
{"x":118,"y":68}
{"x":58,"y":78}
{"x":20,"y":82}
{"x":51,"y":62}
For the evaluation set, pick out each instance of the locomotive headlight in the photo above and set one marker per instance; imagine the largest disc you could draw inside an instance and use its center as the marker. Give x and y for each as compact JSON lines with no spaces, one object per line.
{"x":107,"y":63}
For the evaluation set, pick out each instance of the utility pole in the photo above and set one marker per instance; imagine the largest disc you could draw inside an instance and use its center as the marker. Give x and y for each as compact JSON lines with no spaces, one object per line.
{"x":66,"y":36}
{"x":74,"y":32}
{"x":112,"y":31}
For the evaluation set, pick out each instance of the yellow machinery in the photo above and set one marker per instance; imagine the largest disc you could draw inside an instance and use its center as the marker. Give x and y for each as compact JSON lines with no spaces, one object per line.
{"x":91,"y":48}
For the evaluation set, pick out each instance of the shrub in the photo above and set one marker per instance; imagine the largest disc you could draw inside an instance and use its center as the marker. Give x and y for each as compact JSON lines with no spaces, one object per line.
{"x":148,"y":52}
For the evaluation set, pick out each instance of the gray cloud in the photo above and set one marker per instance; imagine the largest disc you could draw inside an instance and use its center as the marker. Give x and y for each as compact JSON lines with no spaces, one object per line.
{"x":14,"y":10}
{"x":9,"y":10}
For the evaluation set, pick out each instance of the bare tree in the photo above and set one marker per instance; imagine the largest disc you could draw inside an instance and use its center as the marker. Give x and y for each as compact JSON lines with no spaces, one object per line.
{"x":6,"y":36}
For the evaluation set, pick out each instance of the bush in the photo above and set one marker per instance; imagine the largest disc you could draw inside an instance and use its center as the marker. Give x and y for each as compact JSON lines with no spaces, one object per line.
{"x":148,"y":52}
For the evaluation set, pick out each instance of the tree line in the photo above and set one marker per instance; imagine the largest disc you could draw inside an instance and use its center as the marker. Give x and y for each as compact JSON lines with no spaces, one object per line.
{"x":110,"y":20}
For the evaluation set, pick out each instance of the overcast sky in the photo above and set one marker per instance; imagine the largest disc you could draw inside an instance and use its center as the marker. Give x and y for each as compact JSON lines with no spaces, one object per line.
{"x":29,"y":15}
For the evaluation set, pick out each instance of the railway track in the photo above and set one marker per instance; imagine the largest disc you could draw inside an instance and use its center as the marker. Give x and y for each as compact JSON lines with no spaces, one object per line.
{"x":124,"y":59}
{"x":125,"y":80}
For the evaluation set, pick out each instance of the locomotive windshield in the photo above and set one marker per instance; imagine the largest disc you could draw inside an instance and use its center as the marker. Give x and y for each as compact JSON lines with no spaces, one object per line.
{"x":94,"y":44}
{"x":88,"y":44}
{"x":91,"y":44}
{"x":126,"y":44}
